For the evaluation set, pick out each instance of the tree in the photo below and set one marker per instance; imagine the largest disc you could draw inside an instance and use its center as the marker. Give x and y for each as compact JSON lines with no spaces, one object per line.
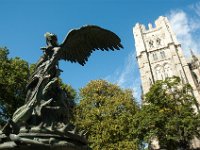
{"x":168,"y":115}
{"x":106,"y":112}
{"x":71,"y":99}
{"x":14,"y":76}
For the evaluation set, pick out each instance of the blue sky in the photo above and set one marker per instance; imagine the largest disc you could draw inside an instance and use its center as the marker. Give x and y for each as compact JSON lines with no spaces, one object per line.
{"x":24,"y":22}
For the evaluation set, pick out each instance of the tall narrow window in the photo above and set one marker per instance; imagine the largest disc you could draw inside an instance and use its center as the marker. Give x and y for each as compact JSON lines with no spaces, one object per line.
{"x":158,"y":71}
{"x":158,"y":41}
{"x":162,"y":53}
{"x":167,"y":71}
{"x":155,"y":56}
{"x":151,"y":44}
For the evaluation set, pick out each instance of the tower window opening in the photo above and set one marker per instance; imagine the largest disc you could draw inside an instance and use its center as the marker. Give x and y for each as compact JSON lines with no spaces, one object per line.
{"x":155,"y":57}
{"x":158,"y":72}
{"x":162,"y":53}
{"x":158,"y":41}
{"x":167,"y":71}
{"x":151,"y":44}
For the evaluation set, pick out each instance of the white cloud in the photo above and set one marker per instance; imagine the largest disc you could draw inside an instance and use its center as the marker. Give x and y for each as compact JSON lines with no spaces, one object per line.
{"x":196,"y":8}
{"x":128,"y":76}
{"x":185,"y":28}
{"x":122,"y":80}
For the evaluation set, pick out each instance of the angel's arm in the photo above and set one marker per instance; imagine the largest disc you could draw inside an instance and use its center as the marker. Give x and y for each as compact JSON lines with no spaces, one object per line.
{"x":53,"y":61}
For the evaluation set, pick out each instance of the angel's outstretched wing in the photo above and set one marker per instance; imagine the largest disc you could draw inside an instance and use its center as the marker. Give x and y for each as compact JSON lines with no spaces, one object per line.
{"x":79,"y":43}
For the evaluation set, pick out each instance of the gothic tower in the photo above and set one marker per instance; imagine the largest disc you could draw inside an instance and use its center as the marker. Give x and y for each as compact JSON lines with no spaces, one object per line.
{"x":160,"y":55}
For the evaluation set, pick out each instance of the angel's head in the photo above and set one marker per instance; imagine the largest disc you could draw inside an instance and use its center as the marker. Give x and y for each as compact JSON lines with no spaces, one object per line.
{"x":48,"y":34}
{"x":51,"y":39}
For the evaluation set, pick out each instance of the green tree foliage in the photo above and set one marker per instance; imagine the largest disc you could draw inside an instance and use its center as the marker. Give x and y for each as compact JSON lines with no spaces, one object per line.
{"x":14,"y":75}
{"x":106,"y":112}
{"x":168,"y":115}
{"x":71,"y":99}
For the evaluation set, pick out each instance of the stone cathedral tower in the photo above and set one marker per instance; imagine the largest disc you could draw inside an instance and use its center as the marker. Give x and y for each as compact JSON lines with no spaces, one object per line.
{"x":160,"y":55}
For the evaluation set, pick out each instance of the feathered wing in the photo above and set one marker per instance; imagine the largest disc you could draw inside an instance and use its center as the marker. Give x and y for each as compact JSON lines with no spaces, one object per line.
{"x":79,"y":43}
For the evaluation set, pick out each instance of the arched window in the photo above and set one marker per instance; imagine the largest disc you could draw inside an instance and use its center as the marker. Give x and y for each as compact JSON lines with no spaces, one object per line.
{"x":167,"y":71}
{"x":159,"y":72}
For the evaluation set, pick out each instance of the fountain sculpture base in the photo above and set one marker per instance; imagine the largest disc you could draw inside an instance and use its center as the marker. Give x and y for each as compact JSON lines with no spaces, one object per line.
{"x":43,"y":141}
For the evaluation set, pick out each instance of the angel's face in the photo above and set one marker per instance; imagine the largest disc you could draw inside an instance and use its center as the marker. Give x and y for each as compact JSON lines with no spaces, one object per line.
{"x":52,"y":38}
{"x":48,"y":35}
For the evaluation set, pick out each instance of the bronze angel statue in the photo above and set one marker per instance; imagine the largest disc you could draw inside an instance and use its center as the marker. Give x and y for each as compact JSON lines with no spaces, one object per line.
{"x":46,"y":107}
